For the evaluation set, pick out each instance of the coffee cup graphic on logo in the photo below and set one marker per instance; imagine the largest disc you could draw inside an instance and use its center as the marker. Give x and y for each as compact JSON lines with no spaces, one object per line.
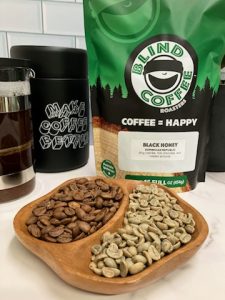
{"x":163,"y":74}
{"x":114,"y":17}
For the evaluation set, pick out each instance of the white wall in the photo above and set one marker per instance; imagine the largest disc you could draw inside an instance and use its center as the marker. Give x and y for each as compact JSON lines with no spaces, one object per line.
{"x":41,"y":22}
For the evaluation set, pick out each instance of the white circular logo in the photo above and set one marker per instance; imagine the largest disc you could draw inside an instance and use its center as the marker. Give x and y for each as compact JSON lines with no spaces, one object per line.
{"x":162,"y":73}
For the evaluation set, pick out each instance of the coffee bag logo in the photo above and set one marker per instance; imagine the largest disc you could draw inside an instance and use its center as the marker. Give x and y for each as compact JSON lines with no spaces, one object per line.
{"x":162,"y":72}
{"x":114,"y":17}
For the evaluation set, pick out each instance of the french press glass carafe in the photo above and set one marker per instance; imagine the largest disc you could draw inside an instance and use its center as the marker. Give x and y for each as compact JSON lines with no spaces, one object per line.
{"x":16,"y":168}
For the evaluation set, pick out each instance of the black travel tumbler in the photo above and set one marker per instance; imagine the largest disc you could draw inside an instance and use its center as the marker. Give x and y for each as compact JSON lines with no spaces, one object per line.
{"x":60,"y":106}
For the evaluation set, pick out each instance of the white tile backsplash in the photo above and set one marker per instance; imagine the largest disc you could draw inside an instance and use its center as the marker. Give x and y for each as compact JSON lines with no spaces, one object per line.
{"x":3,"y":45}
{"x":63,"y":19}
{"x":80,"y":42}
{"x":41,"y":22}
{"x":40,"y":39}
{"x":64,"y":0}
{"x":21,"y":15}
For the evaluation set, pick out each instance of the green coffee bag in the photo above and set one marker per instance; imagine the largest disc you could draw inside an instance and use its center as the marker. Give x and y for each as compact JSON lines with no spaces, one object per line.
{"x":154,"y":68}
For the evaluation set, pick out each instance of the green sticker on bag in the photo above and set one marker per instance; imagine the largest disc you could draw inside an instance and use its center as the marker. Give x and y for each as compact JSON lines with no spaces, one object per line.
{"x":108,"y":169}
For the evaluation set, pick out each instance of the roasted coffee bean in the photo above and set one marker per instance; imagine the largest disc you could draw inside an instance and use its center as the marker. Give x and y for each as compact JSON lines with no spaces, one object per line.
{"x":61,"y":198}
{"x":73,"y":186}
{"x":99,"y":225}
{"x":106,"y":210}
{"x":55,"y":221}
{"x":99,"y":202}
{"x":107,"y":217}
{"x":68,"y":230}
{"x":74,"y":218}
{"x":50,"y":204}
{"x":115,"y":188}
{"x":103,"y":185}
{"x":78,"y":196}
{"x":49,"y":213}
{"x":71,"y":225}
{"x":88,"y":195}
{"x":40,"y":225}
{"x":91,"y":185}
{"x":60,"y":204}
{"x":114,"y":191}
{"x":84,"y":226}
{"x":48,"y":238}
{"x":90,"y":202}
{"x":69,"y":211}
{"x":73,"y":204}
{"x":93,"y":223}
{"x":46,"y":229}
{"x":57,"y":231}
{"x":100,"y":216}
{"x":59,"y":215}
{"x":95,"y":212}
{"x":59,"y":209}
{"x":44,"y":220}
{"x":88,"y":218}
{"x":65,"y":221}
{"x":34,"y":230}
{"x":113,"y":209}
{"x":80,"y":236}
{"x":79,"y":209}
{"x":43,"y":203}
{"x":76,"y":231}
{"x":68,"y":198}
{"x":81,"y":180}
{"x":106,"y":195}
{"x":87,"y":208}
{"x":81,"y":187}
{"x":31,"y":220}
{"x":65,"y":238}
{"x":58,"y":196}
{"x":95,"y":193}
{"x":39,"y":211}
{"x":119,"y":196}
{"x":93,"y":229}
{"x":117,"y":205}
{"x":66,"y":190}
{"x":80,"y":213}
{"x":108,"y":203}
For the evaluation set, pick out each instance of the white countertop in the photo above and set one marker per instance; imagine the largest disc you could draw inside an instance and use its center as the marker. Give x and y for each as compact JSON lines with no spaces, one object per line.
{"x":24,"y":277}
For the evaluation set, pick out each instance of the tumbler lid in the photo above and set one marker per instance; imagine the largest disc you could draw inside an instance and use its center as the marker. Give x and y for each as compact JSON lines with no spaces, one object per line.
{"x":54,"y":62}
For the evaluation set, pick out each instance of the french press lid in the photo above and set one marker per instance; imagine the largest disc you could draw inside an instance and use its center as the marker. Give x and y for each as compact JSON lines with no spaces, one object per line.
{"x":13,"y":69}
